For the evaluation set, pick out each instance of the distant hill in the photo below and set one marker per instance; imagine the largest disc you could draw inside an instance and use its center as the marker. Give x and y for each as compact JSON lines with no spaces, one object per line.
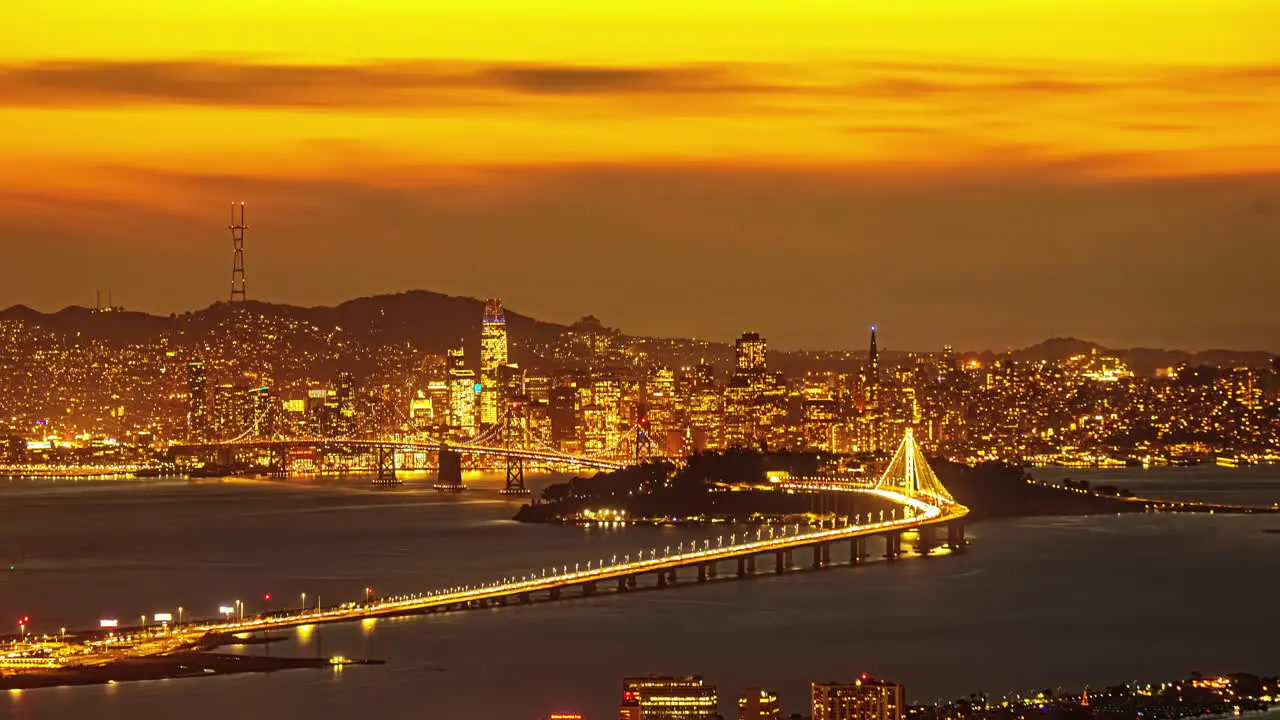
{"x":1143,"y":361}
{"x":430,"y":321}
{"x":433,"y":322}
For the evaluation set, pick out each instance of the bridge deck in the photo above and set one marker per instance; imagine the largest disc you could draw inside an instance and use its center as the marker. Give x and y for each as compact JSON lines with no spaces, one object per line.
{"x":928,"y":515}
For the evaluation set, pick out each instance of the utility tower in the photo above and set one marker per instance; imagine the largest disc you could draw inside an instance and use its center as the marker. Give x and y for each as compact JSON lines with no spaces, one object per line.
{"x":237,"y":228}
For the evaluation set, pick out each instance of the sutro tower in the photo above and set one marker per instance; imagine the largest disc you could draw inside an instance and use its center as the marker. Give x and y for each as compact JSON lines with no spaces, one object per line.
{"x":237,"y":229}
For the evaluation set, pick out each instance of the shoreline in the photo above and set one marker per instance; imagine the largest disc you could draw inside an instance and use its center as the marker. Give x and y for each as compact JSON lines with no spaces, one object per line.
{"x":190,"y":664}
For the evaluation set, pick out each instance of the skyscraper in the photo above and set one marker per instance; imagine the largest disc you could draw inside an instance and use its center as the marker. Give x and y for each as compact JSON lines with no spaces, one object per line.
{"x":862,"y":699}
{"x":750,"y":350}
{"x":757,"y":704}
{"x":462,"y":395}
{"x":493,"y":354}
{"x":346,"y":400}
{"x":667,"y":698}
{"x":197,"y":401}
{"x":873,"y":369}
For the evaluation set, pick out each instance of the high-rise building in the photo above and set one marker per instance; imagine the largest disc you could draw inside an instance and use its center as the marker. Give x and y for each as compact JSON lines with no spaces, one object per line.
{"x":667,"y":698}
{"x":755,"y":399}
{"x":233,"y":412}
{"x":493,"y":354}
{"x":757,"y":704}
{"x":563,"y":409}
{"x":873,"y":369}
{"x":750,"y":350}
{"x":703,"y":408}
{"x":262,"y":415}
{"x":463,"y":391}
{"x":862,"y":699}
{"x":346,"y":400}
{"x":197,"y":401}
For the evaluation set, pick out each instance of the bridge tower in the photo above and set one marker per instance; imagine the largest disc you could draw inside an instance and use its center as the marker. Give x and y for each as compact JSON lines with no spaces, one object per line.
{"x":909,"y":473}
{"x":645,"y":447}
{"x":386,"y":457}
{"x":513,"y":427}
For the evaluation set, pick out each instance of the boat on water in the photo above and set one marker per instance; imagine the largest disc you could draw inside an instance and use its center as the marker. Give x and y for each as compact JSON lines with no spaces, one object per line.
{"x":1231,"y":461}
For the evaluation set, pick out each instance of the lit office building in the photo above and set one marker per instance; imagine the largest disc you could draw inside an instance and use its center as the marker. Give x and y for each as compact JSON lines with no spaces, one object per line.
{"x":493,"y":354}
{"x":667,"y":698}
{"x":703,"y":407}
{"x":463,"y":390}
{"x":197,"y":401}
{"x":862,"y":699}
{"x":750,"y":351}
{"x":757,"y":704}
{"x":345,"y":397}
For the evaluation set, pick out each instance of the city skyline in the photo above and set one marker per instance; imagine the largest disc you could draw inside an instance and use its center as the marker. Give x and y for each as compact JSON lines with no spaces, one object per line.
{"x":645,"y":359}
{"x":743,"y":165}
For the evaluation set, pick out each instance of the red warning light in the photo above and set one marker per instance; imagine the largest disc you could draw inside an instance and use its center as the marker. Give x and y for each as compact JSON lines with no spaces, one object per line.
{"x":267,"y":597}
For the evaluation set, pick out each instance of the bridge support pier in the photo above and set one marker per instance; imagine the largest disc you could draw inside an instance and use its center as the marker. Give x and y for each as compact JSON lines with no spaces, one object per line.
{"x":892,"y":545}
{"x":622,"y":585}
{"x":525,"y":599}
{"x":671,"y":576}
{"x":554,"y":593}
{"x":588,"y":588}
{"x":857,"y":550}
{"x":955,"y":536}
{"x":702,"y":573}
{"x":662,"y":578}
{"x":742,"y":567}
{"x":821,"y":556}
{"x":925,"y":542}
{"x":780,"y":565}
{"x":712,"y":569}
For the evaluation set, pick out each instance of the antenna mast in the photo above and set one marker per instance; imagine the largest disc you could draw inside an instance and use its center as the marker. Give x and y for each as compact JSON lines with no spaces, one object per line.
{"x":237,"y":229}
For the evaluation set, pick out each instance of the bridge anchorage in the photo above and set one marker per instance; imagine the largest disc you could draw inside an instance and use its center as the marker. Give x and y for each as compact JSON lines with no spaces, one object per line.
{"x":449,"y":472}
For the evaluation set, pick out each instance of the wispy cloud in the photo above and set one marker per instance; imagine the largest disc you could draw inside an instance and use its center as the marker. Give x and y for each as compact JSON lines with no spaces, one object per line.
{"x":428,"y":83}
{"x":373,"y":85}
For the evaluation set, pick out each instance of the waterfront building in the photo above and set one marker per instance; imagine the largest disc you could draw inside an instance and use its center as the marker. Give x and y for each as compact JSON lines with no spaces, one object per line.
{"x":863,"y":699}
{"x":493,"y":354}
{"x":667,"y":698}
{"x":757,"y":704}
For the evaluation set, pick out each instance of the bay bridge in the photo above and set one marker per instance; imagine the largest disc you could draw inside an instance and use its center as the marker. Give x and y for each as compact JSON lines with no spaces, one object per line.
{"x":918,"y":503}
{"x":508,"y":441}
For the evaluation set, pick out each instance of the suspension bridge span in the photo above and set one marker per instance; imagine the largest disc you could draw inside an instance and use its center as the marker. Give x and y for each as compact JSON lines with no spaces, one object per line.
{"x":920,"y":504}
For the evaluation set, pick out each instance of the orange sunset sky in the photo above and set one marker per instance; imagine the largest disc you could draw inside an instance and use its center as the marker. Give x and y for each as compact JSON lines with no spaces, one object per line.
{"x":983,"y":172}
